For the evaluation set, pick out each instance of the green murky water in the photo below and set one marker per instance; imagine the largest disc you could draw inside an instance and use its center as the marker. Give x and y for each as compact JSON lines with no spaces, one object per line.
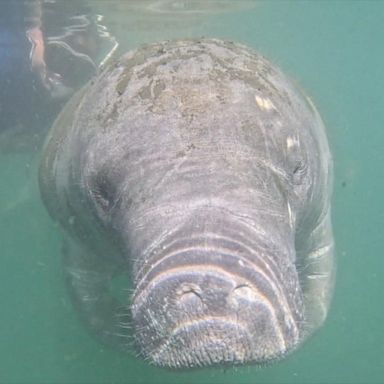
{"x":335,"y":50}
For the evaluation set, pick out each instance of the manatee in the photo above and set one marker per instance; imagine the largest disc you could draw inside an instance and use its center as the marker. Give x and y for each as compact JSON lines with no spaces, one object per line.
{"x":192,"y":179}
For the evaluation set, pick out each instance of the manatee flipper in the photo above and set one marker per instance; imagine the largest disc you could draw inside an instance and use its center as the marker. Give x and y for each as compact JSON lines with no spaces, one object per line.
{"x":318,"y":271}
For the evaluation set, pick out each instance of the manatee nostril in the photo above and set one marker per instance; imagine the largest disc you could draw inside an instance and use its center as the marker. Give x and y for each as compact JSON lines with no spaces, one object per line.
{"x":244,"y":292}
{"x":189,"y":293}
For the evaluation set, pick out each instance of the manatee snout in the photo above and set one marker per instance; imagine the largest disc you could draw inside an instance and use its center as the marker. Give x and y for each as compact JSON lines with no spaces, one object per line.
{"x":216,"y":310}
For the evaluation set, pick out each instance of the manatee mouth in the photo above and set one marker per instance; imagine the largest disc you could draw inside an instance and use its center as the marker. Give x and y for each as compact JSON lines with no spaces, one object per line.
{"x":203,"y":315}
{"x":205,"y":342}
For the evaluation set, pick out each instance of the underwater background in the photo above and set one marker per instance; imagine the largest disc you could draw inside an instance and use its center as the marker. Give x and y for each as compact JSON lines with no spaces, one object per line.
{"x":335,"y":50}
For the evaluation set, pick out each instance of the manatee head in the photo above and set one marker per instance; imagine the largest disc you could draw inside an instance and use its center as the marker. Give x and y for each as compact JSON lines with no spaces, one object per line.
{"x":201,"y":171}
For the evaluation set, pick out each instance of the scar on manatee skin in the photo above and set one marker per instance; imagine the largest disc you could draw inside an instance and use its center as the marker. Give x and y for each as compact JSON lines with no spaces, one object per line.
{"x":182,"y":153}
{"x":122,"y":84}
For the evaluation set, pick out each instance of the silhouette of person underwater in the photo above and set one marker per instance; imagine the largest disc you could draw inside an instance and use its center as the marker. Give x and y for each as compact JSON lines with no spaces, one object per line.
{"x":48,"y":49}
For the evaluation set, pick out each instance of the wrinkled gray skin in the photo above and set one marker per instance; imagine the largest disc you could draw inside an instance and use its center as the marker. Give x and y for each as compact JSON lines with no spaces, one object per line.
{"x":199,"y":171}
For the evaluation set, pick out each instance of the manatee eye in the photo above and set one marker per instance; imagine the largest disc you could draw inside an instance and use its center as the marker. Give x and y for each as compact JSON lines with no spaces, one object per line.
{"x":299,"y":172}
{"x":103,"y":191}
